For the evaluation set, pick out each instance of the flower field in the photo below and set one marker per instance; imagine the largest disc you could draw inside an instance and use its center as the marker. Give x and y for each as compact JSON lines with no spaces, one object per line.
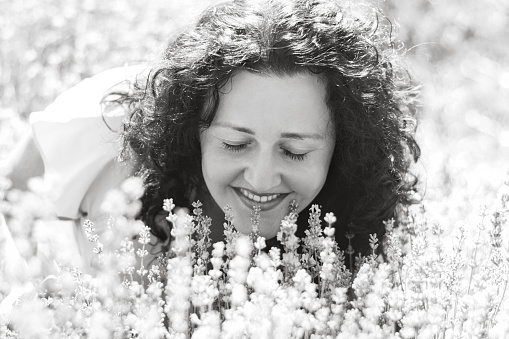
{"x":431,"y":285}
{"x":445,"y":275}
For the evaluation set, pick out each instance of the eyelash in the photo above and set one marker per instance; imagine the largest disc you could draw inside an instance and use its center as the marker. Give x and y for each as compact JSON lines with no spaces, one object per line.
{"x":234,"y":148}
{"x":293,"y":156}
{"x":238,"y":148}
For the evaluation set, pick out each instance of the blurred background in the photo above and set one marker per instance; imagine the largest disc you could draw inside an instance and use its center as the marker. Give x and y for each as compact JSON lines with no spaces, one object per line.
{"x":457,"y":51}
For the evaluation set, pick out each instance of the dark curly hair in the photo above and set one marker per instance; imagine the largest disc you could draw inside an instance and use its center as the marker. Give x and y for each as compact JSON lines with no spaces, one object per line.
{"x":370,"y":95}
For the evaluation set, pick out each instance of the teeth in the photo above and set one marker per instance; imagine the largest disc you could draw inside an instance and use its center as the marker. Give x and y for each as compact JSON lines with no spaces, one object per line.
{"x":257,"y":198}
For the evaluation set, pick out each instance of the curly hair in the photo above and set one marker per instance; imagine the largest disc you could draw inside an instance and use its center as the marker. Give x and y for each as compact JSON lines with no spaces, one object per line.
{"x":370,"y":95}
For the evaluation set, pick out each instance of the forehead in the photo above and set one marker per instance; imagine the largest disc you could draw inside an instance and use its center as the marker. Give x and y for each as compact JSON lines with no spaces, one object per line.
{"x":296,"y":101}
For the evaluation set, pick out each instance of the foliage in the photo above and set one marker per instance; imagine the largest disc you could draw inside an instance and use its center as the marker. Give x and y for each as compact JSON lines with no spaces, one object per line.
{"x":49,"y":45}
{"x":440,"y":287}
{"x":458,"y":52}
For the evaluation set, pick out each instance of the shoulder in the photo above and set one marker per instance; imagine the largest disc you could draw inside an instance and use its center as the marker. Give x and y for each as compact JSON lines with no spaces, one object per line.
{"x":78,"y":139}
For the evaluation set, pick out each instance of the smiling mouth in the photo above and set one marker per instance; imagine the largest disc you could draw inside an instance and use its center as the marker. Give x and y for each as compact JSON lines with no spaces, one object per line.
{"x":258,"y":198}
{"x":266,"y":201}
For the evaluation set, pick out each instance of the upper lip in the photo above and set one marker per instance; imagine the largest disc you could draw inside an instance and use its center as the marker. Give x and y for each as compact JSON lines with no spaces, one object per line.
{"x":259,"y":194}
{"x":265,"y":200}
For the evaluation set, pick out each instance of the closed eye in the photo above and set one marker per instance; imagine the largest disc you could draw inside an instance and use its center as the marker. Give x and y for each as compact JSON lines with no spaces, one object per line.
{"x":294,"y":156}
{"x":233,"y":148}
{"x":240,"y":147}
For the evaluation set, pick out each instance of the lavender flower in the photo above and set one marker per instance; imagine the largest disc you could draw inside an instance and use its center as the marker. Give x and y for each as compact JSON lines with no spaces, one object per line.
{"x":431,"y":285}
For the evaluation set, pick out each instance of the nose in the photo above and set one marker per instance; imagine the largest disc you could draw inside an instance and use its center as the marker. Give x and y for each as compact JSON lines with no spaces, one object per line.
{"x":262,"y":172}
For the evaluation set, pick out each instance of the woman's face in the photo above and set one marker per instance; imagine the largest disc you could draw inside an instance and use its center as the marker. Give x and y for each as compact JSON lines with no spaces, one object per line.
{"x":271,"y":142}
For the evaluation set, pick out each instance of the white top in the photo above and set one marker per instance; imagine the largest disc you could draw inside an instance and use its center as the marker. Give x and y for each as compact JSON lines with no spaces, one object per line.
{"x":78,"y":139}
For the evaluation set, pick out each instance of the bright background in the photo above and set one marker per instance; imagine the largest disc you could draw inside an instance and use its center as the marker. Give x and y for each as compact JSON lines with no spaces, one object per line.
{"x":458,"y":51}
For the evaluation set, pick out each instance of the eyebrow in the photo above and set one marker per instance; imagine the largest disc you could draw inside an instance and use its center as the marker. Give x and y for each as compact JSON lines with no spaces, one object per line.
{"x":286,"y":135}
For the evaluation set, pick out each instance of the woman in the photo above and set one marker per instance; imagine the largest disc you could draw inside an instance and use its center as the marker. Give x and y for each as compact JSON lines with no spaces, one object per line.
{"x":260,"y":103}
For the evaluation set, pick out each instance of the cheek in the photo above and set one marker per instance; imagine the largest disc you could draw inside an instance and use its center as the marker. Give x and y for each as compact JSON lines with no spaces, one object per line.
{"x":307,"y":183}
{"x":208,"y":160}
{"x":218,"y":172}
{"x":211,"y":170}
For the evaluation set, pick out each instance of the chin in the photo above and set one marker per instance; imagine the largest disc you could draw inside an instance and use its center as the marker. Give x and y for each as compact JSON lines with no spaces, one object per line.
{"x":269,"y":234}
{"x":269,"y":229}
